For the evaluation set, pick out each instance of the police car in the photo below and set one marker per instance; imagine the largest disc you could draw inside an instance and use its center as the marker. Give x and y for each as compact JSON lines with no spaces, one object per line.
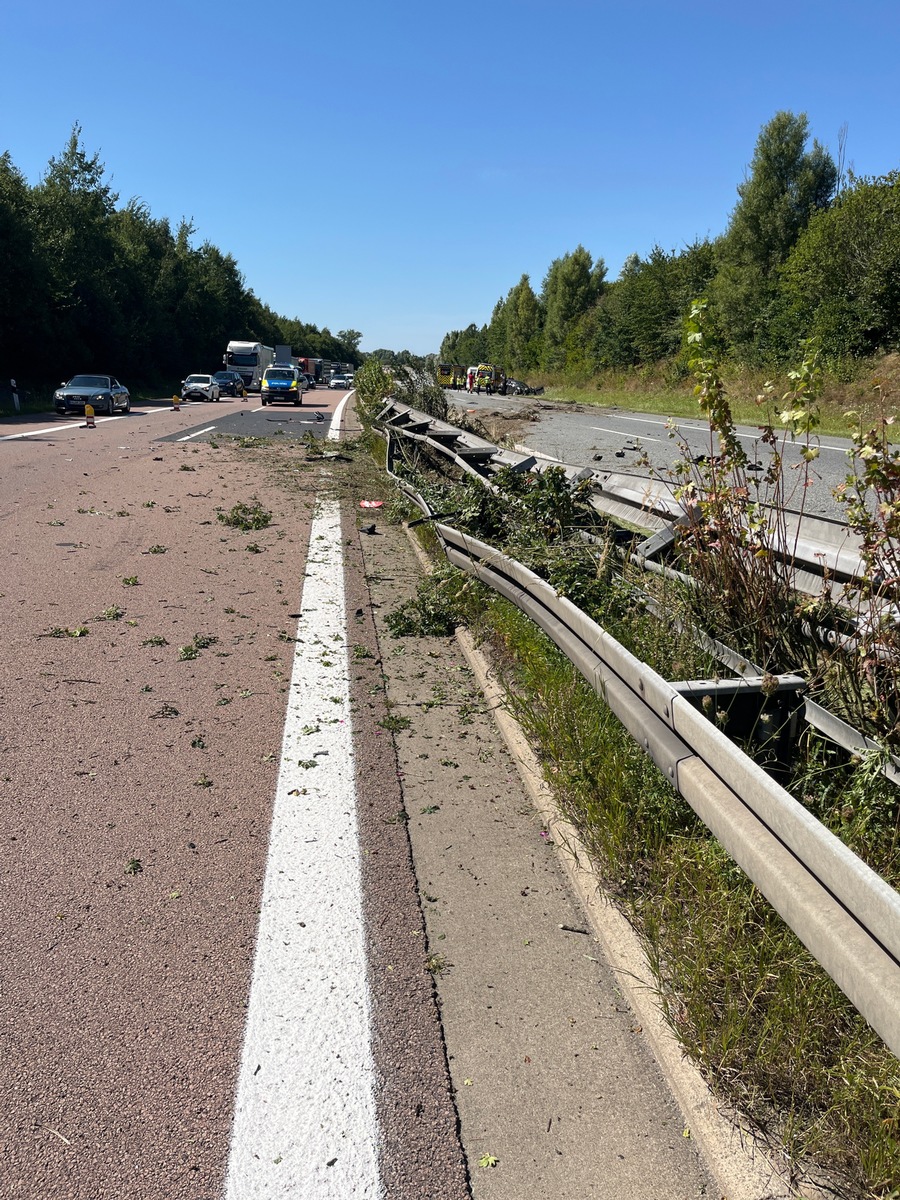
{"x":281,"y":383}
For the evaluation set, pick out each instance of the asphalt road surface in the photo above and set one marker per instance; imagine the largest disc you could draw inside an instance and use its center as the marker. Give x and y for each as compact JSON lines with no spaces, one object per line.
{"x":614,"y":439}
{"x":279,"y":918}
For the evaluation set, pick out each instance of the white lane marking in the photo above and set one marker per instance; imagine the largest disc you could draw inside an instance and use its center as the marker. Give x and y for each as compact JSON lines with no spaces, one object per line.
{"x":305,"y":1123}
{"x":334,"y":429}
{"x":208,"y":429}
{"x":523,"y":449}
{"x":674,"y":422}
{"x":11,"y":437}
{"x":148,"y":412}
{"x":139,"y":412}
{"x":644,"y":437}
{"x":644,"y":420}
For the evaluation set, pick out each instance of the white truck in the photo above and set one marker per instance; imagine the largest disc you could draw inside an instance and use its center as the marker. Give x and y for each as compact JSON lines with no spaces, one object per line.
{"x":250,"y":359}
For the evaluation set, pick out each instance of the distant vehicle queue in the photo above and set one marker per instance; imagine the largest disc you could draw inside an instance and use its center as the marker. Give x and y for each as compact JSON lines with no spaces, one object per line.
{"x":251,"y":360}
{"x":484,"y":377}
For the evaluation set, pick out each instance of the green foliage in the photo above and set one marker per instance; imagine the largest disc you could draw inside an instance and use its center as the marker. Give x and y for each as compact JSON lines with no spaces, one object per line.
{"x":468,"y":346}
{"x":868,"y":680}
{"x":786,"y":186}
{"x":246,"y":517}
{"x":419,"y":389}
{"x":440,"y":604}
{"x":108,"y":286}
{"x":737,"y":545}
{"x":641,"y":317}
{"x":373,"y":386}
{"x":572,"y":285}
{"x":841,"y":281}
{"x":524,"y":319}
{"x":792,"y":264}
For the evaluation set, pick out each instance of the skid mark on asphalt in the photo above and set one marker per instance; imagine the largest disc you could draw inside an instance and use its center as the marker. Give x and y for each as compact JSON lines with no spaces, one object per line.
{"x":305,"y":1121}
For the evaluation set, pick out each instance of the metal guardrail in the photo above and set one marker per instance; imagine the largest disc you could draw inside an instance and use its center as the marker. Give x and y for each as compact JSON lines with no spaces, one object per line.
{"x":824,"y":548}
{"x":821,"y":550}
{"x":842,"y":911}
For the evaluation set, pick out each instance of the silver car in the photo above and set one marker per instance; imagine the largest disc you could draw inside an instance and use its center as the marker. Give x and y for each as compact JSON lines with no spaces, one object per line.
{"x":200,"y":387}
{"x":103,"y":392}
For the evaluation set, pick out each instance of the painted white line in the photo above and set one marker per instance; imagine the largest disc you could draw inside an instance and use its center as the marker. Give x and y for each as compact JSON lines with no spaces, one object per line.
{"x":674,"y":422}
{"x":523,"y":449}
{"x":11,"y":437}
{"x":644,"y":420}
{"x":334,"y":429}
{"x":140,"y":412}
{"x":208,"y":429}
{"x":644,"y":437}
{"x":305,"y":1123}
{"x":149,"y":412}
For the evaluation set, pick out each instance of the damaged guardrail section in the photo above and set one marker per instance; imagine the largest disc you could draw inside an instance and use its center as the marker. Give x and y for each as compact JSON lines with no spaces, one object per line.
{"x":821,"y":549}
{"x":843,"y":912}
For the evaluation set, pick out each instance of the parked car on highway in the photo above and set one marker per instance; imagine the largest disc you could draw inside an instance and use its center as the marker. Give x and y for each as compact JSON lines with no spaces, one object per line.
{"x":310,"y":379}
{"x":231,"y":383}
{"x":103,"y":392}
{"x":200,"y":387}
{"x":339,"y":381}
{"x":283,"y":383}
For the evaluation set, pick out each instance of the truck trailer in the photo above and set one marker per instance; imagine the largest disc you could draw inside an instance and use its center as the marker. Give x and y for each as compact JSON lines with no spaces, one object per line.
{"x":311,"y":366}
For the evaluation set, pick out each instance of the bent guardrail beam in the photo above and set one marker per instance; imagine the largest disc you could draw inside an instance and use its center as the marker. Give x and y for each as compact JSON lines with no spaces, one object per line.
{"x":818,"y":551}
{"x":843,"y":912}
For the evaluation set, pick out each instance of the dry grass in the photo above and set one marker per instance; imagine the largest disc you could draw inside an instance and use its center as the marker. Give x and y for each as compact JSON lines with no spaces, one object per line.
{"x":663,"y":390}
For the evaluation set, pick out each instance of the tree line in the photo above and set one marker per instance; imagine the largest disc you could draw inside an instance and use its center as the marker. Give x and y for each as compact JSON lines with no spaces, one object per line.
{"x":88,"y":284}
{"x":810,"y":251}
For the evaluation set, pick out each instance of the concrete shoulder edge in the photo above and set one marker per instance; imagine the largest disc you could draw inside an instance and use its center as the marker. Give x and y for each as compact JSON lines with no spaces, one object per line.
{"x":739,"y":1164}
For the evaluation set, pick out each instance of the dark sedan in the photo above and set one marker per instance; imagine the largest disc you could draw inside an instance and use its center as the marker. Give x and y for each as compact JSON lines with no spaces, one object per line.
{"x":230,"y":383}
{"x":103,"y":392}
{"x":515,"y":387}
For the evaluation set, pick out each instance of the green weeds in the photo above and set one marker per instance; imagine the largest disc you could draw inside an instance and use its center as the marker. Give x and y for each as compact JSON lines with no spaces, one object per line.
{"x":394,"y":724}
{"x":201,"y":641}
{"x":246,"y":517}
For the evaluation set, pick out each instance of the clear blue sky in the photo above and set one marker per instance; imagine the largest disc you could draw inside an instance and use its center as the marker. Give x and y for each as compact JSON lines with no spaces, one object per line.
{"x":403,"y":163}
